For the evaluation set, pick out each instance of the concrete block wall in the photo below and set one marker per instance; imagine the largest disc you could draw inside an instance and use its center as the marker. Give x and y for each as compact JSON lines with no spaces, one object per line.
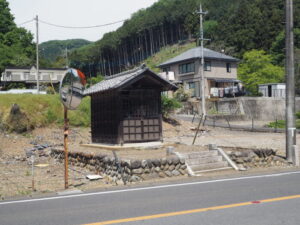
{"x":258,"y":108}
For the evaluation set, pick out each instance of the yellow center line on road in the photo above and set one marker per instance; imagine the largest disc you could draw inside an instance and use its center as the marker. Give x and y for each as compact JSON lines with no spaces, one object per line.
{"x":134,"y":219}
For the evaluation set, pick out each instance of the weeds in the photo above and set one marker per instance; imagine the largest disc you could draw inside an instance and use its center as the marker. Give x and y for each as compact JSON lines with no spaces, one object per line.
{"x":43,"y":110}
{"x":24,"y":192}
{"x":27,"y":174}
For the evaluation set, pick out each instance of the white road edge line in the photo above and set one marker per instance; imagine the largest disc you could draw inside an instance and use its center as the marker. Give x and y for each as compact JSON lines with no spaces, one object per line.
{"x":150,"y":188}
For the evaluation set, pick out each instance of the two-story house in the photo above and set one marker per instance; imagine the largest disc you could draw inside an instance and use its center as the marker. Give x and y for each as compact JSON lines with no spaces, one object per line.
{"x":220,"y":72}
{"x":28,"y":75}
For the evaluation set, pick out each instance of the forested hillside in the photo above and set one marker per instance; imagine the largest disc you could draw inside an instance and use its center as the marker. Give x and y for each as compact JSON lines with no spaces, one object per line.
{"x":50,"y":50}
{"x":236,"y":26}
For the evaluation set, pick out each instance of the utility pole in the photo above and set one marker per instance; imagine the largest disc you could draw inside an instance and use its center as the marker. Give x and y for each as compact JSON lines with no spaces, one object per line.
{"x":37,"y":55}
{"x":67,"y":60}
{"x":203,"y":115}
{"x":290,"y":82}
{"x":202,"y":61}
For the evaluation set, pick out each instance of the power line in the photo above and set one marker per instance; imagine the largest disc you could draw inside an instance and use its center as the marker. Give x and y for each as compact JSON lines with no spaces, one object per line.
{"x":72,"y":27}
{"x":25,"y":22}
{"x":83,"y":27}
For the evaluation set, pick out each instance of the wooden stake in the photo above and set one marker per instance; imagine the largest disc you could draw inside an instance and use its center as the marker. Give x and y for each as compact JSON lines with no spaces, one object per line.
{"x":198,"y":128}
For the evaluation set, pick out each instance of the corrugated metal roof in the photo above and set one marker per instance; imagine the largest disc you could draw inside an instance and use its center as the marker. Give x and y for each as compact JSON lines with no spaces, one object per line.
{"x":196,"y":53}
{"x":120,"y":79}
{"x":271,"y":84}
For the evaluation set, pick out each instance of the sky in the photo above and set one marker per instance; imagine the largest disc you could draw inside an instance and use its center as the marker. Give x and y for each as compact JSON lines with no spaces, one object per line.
{"x":74,"y":13}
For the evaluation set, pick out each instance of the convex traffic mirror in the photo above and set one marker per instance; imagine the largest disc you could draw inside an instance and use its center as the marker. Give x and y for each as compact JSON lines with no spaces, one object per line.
{"x":71,"y":88}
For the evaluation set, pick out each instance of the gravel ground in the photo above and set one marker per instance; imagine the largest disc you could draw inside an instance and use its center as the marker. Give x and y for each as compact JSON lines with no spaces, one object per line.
{"x":227,"y":138}
{"x":15,"y":167}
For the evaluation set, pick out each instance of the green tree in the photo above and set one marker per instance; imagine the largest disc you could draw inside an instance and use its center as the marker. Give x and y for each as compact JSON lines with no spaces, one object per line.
{"x":16,"y":45}
{"x":236,"y":26}
{"x":257,"y":68}
{"x":94,"y":80}
{"x":6,"y":18}
{"x":278,"y":46}
{"x":50,"y":50}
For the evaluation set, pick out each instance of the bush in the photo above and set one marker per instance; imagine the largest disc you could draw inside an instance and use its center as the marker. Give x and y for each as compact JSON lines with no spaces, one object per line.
{"x":50,"y":90}
{"x":182,"y":95}
{"x":94,"y":80}
{"x":169,"y":105}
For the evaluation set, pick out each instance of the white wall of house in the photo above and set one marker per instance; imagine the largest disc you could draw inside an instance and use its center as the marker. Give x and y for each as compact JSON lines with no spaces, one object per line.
{"x":276,"y":90}
{"x":30,"y":75}
{"x":218,"y":69}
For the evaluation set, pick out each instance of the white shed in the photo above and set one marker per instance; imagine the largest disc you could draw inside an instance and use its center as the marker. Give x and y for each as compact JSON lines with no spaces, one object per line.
{"x":276,"y":90}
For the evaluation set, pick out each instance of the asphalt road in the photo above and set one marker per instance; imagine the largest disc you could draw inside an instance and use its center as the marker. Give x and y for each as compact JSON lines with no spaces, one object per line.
{"x":227,"y":201}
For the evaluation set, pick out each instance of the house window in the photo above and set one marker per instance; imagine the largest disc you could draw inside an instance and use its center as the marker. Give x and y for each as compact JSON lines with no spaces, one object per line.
{"x":228,"y":67}
{"x":192,"y":88}
{"x":26,"y":76}
{"x":8,"y":76}
{"x":207,"y":66}
{"x":166,"y":69}
{"x":187,"y":68}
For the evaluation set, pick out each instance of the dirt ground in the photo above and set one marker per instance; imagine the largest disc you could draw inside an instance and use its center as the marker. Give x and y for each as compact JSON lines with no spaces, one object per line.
{"x":16,"y":167}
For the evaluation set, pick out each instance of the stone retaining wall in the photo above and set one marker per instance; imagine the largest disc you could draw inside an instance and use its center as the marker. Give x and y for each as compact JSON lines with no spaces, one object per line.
{"x":122,"y":170}
{"x":256,"y":158}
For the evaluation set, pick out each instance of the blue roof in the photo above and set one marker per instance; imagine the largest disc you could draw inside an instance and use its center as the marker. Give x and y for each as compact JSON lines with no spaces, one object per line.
{"x":195,"y":53}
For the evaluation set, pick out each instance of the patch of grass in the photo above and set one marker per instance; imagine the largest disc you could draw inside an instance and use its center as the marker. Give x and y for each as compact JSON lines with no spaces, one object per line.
{"x":281,"y":124}
{"x":24,"y":192}
{"x":166,"y":53}
{"x":27,"y":135}
{"x":298,"y":115}
{"x":27,"y":174}
{"x":81,"y":116}
{"x":43,"y":110}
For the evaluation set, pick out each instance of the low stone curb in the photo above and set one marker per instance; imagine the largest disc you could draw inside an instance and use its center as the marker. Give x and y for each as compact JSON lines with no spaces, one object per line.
{"x":257,"y":158}
{"x":124,"y":170}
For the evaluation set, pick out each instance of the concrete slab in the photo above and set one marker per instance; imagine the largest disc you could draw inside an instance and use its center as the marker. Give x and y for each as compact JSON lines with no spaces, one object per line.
{"x":143,"y":145}
{"x":69,"y":192}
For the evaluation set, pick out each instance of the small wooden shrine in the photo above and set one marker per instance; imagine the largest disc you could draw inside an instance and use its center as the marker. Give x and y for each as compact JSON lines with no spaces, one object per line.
{"x":126,"y":108}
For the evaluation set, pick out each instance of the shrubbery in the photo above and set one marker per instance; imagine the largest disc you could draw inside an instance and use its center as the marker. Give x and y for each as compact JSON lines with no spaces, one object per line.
{"x":169,"y":105}
{"x":182,"y":95}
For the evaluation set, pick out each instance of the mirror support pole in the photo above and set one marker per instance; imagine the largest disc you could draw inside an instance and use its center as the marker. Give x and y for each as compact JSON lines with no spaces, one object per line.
{"x":66,"y":134}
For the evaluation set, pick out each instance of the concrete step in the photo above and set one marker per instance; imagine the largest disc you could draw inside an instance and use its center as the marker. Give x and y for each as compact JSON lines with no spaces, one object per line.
{"x":201,"y":154}
{"x":202,"y":160}
{"x":209,"y":166}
